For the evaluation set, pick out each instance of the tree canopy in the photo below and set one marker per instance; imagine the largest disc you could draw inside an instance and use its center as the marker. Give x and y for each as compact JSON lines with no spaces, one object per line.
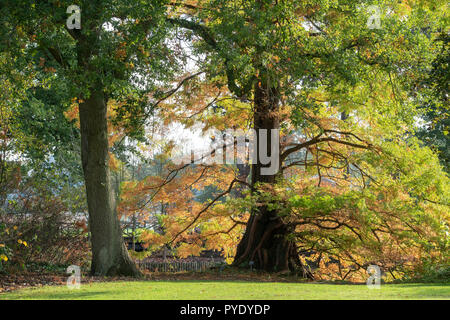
{"x":358,"y":99}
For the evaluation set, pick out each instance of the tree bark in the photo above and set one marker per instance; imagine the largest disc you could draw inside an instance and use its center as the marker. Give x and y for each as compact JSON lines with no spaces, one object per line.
{"x":109,"y":254}
{"x":265,"y":243}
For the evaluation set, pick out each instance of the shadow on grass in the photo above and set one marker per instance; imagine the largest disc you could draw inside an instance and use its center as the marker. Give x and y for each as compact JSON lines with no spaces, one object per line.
{"x":70,"y":295}
{"x":411,"y":285}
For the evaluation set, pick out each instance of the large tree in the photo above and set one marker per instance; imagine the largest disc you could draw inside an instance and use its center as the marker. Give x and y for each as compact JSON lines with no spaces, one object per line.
{"x":117,"y":53}
{"x":310,"y":59}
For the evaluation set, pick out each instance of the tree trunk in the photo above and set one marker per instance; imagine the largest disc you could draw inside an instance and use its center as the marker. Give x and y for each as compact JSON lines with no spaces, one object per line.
{"x":109,"y":254}
{"x":265,"y":243}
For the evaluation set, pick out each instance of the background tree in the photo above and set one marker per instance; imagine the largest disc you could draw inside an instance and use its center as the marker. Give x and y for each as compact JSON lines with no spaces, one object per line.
{"x":434,"y":103}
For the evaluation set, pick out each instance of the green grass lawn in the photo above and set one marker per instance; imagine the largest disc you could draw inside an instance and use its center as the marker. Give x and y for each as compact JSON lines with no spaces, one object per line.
{"x":210,"y":290}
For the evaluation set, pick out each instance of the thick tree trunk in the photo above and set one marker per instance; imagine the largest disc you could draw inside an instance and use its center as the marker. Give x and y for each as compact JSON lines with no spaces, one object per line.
{"x":266,"y":243}
{"x":109,"y":254}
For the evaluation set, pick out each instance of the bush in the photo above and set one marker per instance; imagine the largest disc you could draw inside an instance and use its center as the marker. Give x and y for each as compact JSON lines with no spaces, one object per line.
{"x":5,"y":252}
{"x":433,"y":273}
{"x":38,"y":227}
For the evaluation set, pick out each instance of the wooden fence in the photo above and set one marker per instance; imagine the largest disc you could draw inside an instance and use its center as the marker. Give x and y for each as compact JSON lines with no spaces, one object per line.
{"x":177,"y":266}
